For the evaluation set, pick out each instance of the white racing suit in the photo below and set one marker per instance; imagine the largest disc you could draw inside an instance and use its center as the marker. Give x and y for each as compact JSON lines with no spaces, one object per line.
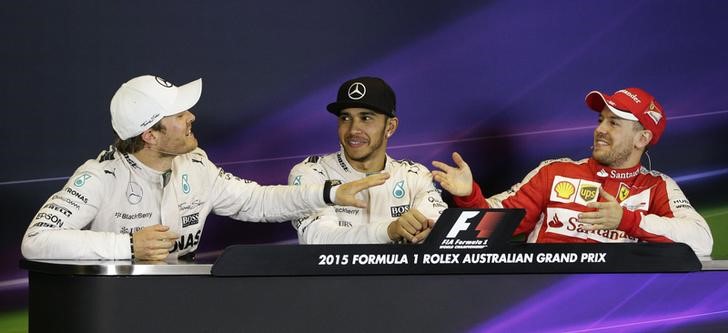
{"x":409,"y":186}
{"x":106,"y":199}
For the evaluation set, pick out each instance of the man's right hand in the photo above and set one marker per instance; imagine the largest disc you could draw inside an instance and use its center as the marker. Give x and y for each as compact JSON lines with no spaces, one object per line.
{"x":456,"y":180}
{"x":153,"y":242}
{"x":346,"y":192}
{"x":412,"y":226}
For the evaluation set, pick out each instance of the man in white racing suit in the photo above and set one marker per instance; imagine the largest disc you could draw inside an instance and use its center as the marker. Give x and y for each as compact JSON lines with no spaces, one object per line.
{"x":403,"y":209}
{"x":149,"y":195}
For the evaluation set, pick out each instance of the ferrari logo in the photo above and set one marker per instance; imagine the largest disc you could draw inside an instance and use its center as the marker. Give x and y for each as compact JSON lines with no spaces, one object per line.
{"x":623,"y":192}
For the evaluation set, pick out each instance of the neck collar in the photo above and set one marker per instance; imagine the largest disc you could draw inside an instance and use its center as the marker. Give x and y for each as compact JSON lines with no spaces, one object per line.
{"x":344,"y":163}
{"x":605,"y":172}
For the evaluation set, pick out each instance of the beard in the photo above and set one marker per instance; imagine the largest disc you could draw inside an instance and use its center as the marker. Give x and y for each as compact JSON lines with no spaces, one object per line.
{"x":613,"y":157}
{"x":363,"y":155}
{"x":176,"y":147}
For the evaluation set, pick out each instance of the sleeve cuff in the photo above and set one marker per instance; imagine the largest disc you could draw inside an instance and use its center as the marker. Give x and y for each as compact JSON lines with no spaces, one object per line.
{"x":630,"y":221}
{"x":123,"y":248}
{"x":469,"y":201}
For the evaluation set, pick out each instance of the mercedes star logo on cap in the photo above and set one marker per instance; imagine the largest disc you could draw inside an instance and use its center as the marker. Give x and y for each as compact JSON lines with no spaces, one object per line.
{"x":357,"y":90}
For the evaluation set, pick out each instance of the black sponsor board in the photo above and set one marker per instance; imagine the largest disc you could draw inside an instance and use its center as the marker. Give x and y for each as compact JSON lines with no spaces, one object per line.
{"x":464,"y":241}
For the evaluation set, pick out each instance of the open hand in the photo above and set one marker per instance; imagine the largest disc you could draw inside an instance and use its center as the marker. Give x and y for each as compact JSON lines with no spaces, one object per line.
{"x":607,"y":216}
{"x":456,"y":180}
{"x":346,"y":192}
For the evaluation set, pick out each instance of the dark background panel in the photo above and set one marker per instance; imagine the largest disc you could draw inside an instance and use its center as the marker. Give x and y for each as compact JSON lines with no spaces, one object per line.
{"x":502,"y":82}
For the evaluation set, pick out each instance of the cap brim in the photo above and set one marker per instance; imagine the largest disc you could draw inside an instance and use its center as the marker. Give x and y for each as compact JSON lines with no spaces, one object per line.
{"x":187,"y":96}
{"x":596,"y":101}
{"x":336,"y":107}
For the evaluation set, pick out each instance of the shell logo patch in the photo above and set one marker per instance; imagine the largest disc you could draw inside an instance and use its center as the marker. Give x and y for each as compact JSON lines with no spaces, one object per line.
{"x":564,"y":190}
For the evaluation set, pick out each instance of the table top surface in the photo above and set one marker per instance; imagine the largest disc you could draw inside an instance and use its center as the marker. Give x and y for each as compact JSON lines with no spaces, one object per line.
{"x":182,"y":267}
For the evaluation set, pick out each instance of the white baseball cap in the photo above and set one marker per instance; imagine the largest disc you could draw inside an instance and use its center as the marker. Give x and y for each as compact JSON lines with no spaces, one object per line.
{"x":143,"y":101}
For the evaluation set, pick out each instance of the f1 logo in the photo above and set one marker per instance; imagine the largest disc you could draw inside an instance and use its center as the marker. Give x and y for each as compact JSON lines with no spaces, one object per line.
{"x":461,"y":224}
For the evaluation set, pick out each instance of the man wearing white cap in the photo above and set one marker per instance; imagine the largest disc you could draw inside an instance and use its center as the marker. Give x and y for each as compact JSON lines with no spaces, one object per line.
{"x":608,"y":198}
{"x":149,"y":195}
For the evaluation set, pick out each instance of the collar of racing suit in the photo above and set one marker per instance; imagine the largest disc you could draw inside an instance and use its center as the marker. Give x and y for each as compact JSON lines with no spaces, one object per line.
{"x":142,"y":170}
{"x":342,"y":157}
{"x":604,"y":172}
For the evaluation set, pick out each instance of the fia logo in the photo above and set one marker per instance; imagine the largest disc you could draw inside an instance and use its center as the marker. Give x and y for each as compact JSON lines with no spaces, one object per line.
{"x":486,"y":223}
{"x":461,"y":224}
{"x":398,"y":191}
{"x":185,"y":184}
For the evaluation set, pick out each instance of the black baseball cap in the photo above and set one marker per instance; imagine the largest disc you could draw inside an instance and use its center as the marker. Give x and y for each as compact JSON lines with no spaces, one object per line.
{"x":365,"y":92}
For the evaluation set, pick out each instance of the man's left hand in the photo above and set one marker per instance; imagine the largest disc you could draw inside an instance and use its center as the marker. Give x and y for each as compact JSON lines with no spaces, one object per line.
{"x":346,"y":192}
{"x":606,"y":217}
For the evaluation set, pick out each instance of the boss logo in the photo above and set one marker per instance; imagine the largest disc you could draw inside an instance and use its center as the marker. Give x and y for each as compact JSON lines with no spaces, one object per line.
{"x":398,"y":211}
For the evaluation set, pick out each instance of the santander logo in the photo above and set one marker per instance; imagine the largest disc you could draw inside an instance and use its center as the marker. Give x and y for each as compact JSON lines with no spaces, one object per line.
{"x":631,"y":95}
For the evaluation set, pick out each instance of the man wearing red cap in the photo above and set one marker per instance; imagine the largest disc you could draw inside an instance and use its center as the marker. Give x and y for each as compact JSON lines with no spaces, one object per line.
{"x":608,"y":198}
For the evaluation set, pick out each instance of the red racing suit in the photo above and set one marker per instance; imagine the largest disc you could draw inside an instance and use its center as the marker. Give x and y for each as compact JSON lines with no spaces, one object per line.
{"x":654,"y":208}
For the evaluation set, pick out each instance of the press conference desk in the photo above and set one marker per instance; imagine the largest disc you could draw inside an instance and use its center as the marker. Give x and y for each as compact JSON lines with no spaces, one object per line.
{"x":121,"y":296}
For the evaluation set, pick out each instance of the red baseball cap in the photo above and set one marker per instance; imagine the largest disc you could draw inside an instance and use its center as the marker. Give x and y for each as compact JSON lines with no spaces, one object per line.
{"x":632,"y":104}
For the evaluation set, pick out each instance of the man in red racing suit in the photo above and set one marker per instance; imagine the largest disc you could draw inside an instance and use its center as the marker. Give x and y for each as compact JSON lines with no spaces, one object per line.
{"x":608,"y":198}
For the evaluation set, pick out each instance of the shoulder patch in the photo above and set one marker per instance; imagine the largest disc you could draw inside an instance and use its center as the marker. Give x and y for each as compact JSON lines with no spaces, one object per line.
{"x":408,"y":162}
{"x":312,"y":159}
{"x":654,"y":173}
{"x":563,"y":160}
{"x":107,"y":155}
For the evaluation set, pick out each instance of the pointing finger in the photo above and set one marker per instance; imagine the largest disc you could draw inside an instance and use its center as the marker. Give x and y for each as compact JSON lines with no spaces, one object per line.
{"x":442,"y":166}
{"x":459,"y":161}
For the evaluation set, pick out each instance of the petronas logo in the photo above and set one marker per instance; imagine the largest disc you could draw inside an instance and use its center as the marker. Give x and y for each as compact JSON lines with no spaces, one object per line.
{"x":398,"y":191}
{"x":81,"y":180}
{"x":185,"y":184}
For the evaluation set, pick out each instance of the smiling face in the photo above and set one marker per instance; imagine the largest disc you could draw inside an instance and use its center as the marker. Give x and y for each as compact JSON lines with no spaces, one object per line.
{"x":618,"y":143}
{"x":176,"y":137}
{"x":363,"y":134}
